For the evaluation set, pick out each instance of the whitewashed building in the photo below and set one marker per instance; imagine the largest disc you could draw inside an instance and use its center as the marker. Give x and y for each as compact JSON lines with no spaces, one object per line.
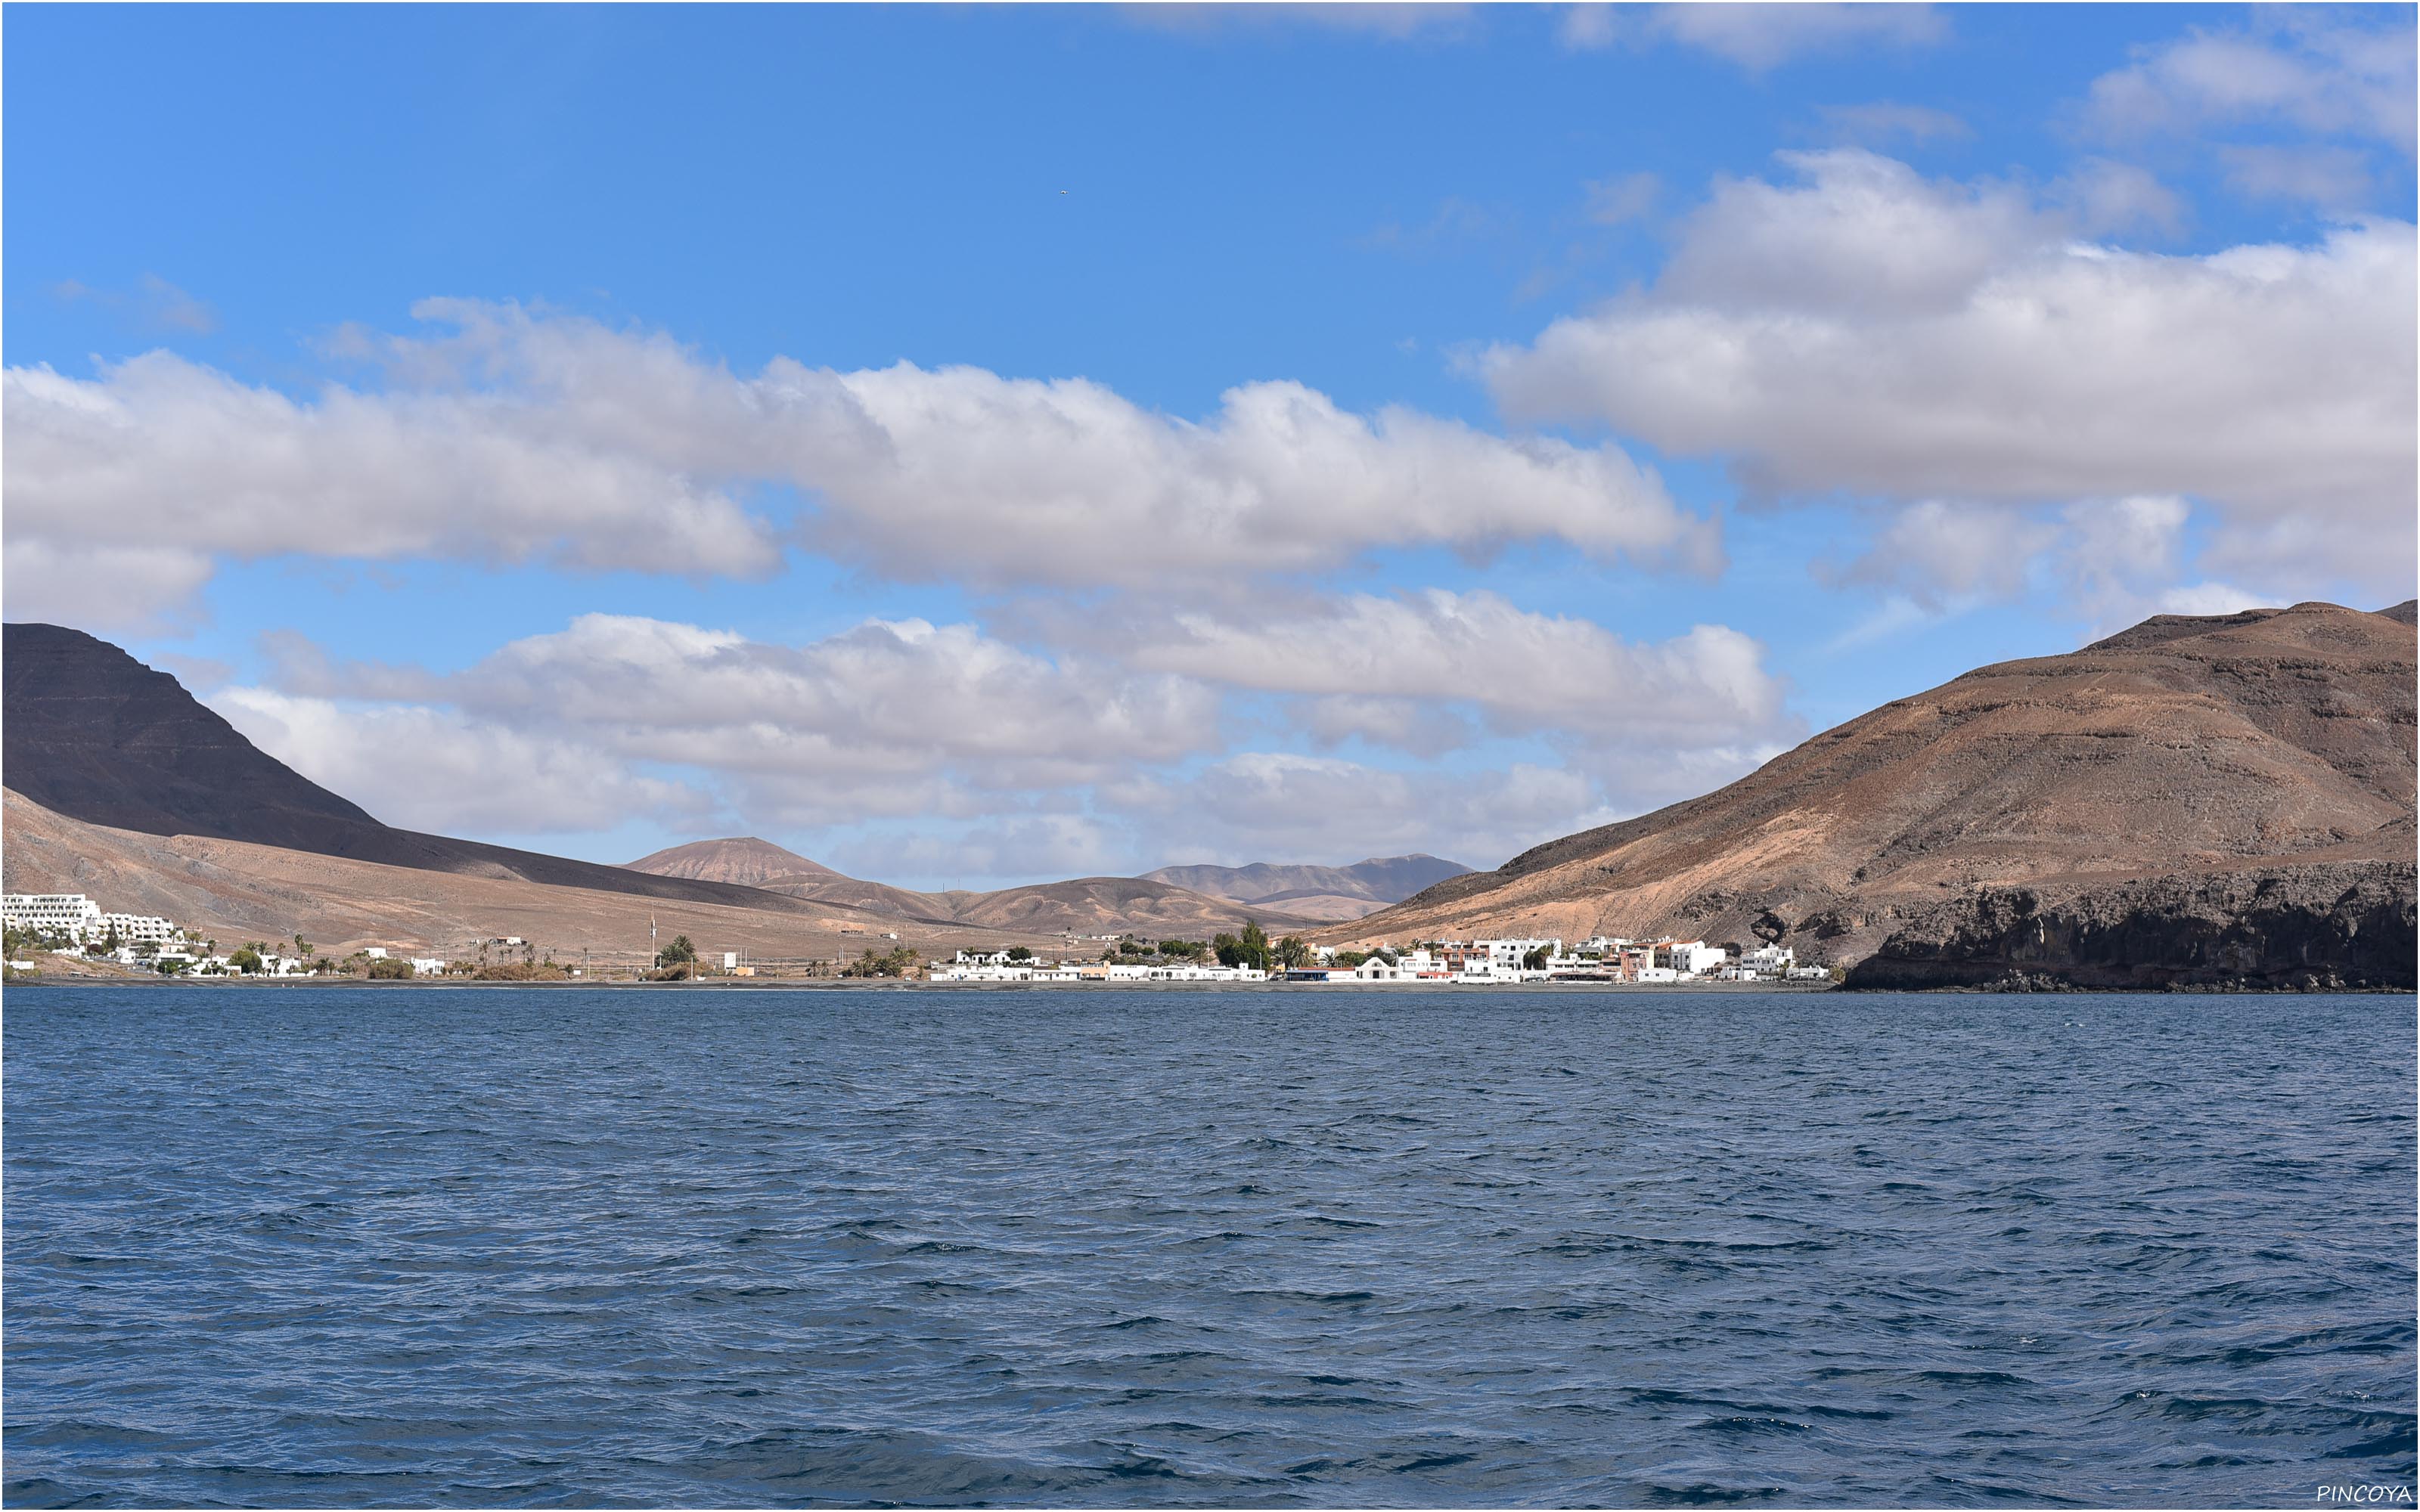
{"x":65,"y":913}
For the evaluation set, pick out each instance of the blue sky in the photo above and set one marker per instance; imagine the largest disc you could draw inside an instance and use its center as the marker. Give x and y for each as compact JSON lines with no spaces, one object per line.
{"x":1490,"y":422}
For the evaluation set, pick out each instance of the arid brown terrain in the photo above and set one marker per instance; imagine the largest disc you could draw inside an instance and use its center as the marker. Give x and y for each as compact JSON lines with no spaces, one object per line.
{"x":1084,"y":906}
{"x":1327,"y":892}
{"x":2214,"y":749}
{"x":233,"y":891}
{"x":121,"y":785}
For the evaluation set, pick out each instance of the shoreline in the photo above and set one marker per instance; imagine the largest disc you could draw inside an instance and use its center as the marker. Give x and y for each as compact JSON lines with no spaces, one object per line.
{"x":1320,"y":988}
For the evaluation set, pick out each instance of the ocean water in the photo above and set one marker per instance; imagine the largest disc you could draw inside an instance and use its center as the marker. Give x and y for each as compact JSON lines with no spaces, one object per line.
{"x":423,"y":1247}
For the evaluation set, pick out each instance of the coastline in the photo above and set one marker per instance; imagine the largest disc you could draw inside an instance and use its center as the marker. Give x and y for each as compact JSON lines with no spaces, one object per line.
{"x":1321,"y":989}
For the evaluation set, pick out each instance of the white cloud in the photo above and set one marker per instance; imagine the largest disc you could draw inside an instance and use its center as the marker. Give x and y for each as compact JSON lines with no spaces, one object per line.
{"x":2334,"y":179}
{"x":888,"y":719}
{"x":1417,"y":726}
{"x":1938,"y":554}
{"x":53,"y":580}
{"x":1526,"y":671}
{"x":995,"y":853}
{"x":1278,"y":806}
{"x":2113,"y":562}
{"x":1859,"y":232}
{"x":161,"y":450}
{"x":1756,"y":36}
{"x":527,"y":437}
{"x":1874,"y":333}
{"x":2104,"y":196}
{"x":894,"y":729}
{"x":881,"y":701}
{"x":436,"y":770}
{"x":2303,"y":69}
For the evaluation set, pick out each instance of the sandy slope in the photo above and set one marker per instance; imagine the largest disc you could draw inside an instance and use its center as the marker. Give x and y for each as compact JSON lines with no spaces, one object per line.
{"x":236,"y":891}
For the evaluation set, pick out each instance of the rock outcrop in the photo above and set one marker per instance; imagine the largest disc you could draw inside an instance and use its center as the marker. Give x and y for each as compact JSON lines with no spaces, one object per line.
{"x":2324,"y":925}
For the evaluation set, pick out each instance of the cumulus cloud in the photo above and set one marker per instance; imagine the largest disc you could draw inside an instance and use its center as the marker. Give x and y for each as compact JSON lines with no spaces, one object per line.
{"x":1857,"y":233}
{"x":887,"y":717}
{"x":2112,"y":562}
{"x":1869,"y":331}
{"x":2302,"y":69}
{"x":437,"y":770}
{"x":165,"y":451}
{"x":1526,"y":671}
{"x":916,"y":728}
{"x":1034,"y":846}
{"x":1756,"y":36}
{"x":520,"y":436}
{"x":2331,"y":179}
{"x":1297,"y":807}
{"x":1938,"y":554}
{"x":2103,"y":197}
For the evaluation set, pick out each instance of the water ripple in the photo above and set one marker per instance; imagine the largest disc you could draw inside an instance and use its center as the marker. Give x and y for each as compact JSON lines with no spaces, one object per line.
{"x":436,"y":1247}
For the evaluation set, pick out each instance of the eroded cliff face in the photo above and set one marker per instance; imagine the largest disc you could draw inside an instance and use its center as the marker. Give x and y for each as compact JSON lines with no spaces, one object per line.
{"x":2318,"y":926}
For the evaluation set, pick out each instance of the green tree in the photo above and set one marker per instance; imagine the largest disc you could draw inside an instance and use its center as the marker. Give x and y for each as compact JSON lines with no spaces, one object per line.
{"x":1019,"y":952}
{"x":1349,"y":959}
{"x":679,"y":953}
{"x":1229,"y":950}
{"x":1294,"y":950}
{"x":1535,"y":959}
{"x":302,"y":947}
{"x":247,"y":958}
{"x":897,"y":961}
{"x":390,"y":968}
{"x":1256,"y":946}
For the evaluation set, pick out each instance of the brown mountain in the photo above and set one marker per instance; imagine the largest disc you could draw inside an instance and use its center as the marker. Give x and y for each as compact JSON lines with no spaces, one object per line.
{"x":236,"y":891}
{"x":98,"y":746}
{"x":1117,"y":905}
{"x":94,"y":735}
{"x":2187,"y":748}
{"x":1085,"y":906}
{"x":1328,"y":892}
{"x":745,"y":861}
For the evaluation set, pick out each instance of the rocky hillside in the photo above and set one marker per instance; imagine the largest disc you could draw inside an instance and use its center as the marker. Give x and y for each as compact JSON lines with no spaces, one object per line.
{"x":2300,"y":925}
{"x":2209,"y":749}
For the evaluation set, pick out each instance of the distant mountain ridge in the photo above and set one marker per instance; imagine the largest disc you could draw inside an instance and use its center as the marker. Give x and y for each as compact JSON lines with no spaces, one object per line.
{"x":2185,"y":764}
{"x":1083,"y":906}
{"x":1337,"y":892}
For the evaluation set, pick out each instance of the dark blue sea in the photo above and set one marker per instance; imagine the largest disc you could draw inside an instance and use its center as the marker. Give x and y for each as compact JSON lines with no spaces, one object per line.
{"x":416,"y":1247}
